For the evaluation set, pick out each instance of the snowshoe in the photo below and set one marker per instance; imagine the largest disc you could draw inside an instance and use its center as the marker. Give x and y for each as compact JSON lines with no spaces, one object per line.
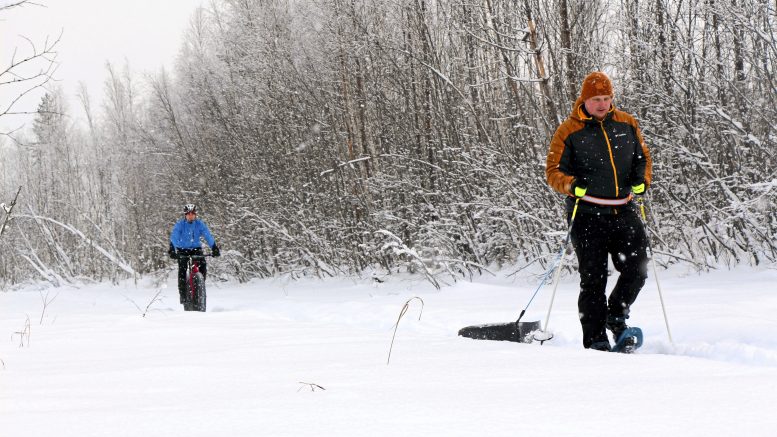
{"x":628,"y":341}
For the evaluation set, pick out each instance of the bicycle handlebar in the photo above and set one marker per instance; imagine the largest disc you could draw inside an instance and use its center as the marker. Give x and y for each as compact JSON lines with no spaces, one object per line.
{"x":193,"y":256}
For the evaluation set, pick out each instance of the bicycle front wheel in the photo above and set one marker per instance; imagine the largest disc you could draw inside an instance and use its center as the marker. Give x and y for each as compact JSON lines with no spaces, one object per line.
{"x":199,"y":293}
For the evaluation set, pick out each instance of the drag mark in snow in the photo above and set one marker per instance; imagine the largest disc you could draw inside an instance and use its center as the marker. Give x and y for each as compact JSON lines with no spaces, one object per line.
{"x":731,"y":352}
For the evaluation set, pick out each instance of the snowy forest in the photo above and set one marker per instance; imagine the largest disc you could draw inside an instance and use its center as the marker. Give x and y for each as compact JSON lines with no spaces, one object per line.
{"x":348,"y":137}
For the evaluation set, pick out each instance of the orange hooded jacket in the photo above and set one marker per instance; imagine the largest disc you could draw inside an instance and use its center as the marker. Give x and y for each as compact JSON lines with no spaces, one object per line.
{"x":609,"y":155}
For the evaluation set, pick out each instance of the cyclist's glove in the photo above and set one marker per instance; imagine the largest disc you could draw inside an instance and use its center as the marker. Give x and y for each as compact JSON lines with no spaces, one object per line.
{"x":171,"y":252}
{"x":215,"y":250}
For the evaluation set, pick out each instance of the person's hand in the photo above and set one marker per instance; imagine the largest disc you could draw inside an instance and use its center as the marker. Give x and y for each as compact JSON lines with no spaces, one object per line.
{"x":215,"y":251}
{"x":579,"y":187}
{"x":172,"y":253}
{"x":638,"y":189}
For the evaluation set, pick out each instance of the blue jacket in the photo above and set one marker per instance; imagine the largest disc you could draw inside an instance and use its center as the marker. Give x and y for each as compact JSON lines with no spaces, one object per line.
{"x":187,"y":235}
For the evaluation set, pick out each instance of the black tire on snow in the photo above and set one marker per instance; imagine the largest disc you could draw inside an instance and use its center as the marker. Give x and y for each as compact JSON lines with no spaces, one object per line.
{"x":187,"y":300}
{"x":199,"y":293}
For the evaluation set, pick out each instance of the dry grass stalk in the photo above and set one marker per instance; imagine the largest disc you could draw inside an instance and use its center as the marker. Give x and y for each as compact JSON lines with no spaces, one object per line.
{"x":396,"y":325}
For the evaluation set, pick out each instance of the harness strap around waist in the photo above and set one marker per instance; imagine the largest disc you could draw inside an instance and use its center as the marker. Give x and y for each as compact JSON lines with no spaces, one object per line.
{"x":607,"y":202}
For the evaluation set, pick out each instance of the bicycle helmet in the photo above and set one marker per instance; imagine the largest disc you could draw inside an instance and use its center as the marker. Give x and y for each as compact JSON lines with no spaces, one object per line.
{"x":189,"y":207}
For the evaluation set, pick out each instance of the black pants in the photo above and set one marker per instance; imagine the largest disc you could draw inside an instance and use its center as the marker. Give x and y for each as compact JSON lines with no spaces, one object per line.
{"x":183,"y":263}
{"x":595,"y":237}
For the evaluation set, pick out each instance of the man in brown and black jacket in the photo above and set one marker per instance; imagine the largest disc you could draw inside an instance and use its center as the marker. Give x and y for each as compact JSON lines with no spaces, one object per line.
{"x":599,"y":156}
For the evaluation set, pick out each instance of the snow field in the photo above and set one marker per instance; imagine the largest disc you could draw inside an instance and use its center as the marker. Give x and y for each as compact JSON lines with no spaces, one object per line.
{"x":308,"y":358}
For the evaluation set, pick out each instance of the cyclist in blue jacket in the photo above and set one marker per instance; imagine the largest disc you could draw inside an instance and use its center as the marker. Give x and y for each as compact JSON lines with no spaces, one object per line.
{"x":185,"y":240}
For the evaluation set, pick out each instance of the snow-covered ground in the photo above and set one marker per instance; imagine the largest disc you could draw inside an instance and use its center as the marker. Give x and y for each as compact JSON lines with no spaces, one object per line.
{"x":309,"y":358}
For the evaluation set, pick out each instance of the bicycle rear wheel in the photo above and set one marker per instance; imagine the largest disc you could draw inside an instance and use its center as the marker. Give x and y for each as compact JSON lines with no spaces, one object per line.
{"x":199,"y":293}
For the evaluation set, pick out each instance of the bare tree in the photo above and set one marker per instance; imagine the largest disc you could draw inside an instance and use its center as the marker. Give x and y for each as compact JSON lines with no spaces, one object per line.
{"x":7,"y":210}
{"x":333,"y":137}
{"x":29,"y":69}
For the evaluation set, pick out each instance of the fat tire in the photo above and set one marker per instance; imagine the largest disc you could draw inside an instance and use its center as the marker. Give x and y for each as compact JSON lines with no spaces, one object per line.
{"x":187,"y":297}
{"x":200,"y":295}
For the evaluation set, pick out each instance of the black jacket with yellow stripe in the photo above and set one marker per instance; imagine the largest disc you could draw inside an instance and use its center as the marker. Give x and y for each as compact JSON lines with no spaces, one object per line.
{"x":609,"y":155}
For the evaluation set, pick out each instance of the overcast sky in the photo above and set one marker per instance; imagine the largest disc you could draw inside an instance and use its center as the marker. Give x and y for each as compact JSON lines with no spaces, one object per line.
{"x":145,"y":33}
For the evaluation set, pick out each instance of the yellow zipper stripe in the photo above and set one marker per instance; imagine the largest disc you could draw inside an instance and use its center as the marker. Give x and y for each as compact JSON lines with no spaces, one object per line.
{"x":612,"y":160}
